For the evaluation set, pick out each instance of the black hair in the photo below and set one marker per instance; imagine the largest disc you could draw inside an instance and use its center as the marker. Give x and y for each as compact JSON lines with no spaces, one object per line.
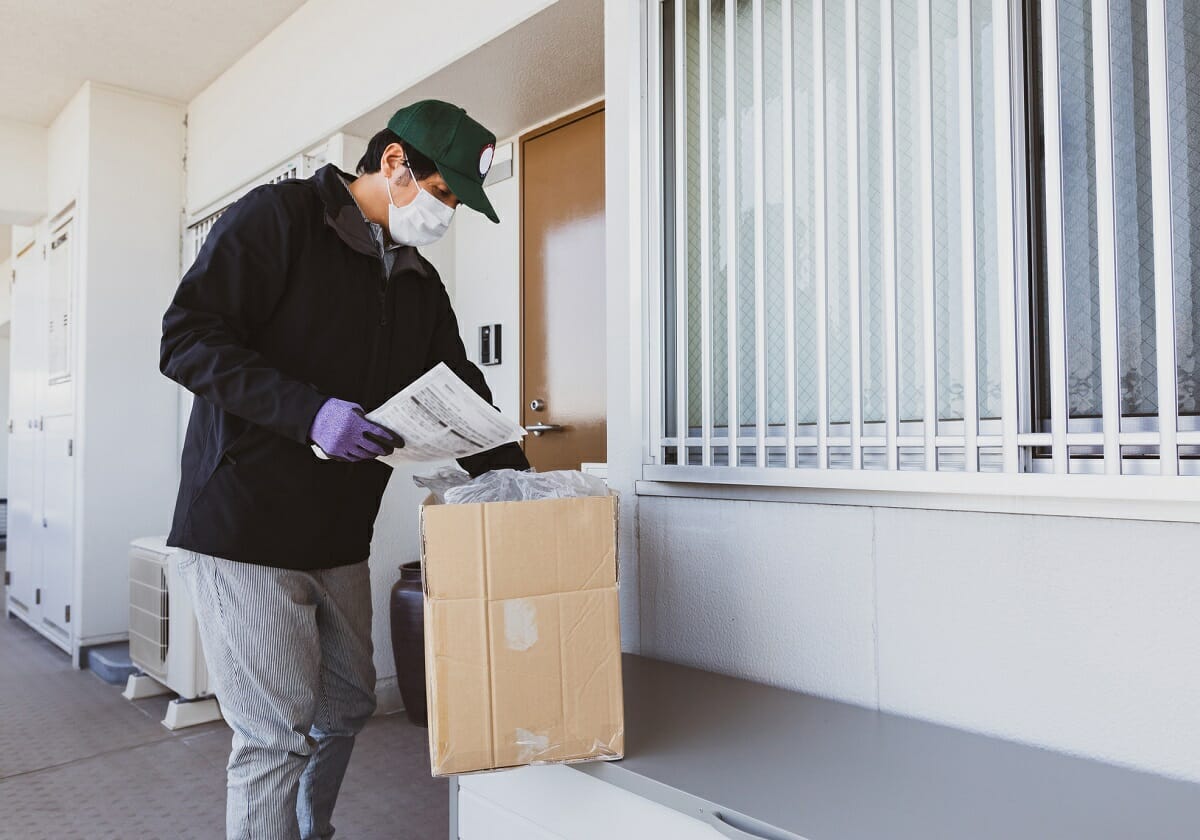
{"x":422,"y":167}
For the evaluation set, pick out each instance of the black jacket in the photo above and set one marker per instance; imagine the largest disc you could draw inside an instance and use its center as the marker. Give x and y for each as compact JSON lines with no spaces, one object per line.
{"x":287,"y":305}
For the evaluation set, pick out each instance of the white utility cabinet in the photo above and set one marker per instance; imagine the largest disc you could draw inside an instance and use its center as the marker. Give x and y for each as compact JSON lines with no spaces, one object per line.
{"x":92,"y":422}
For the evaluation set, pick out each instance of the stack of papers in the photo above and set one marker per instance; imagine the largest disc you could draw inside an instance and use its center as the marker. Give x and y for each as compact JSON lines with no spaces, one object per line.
{"x":440,"y":417}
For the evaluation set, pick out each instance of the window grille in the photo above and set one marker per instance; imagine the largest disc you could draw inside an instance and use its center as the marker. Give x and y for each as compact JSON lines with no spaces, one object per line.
{"x":938,"y":235}
{"x":199,"y":229}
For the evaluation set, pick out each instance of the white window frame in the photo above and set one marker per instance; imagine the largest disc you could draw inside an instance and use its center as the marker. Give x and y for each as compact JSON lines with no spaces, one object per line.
{"x":1110,"y":495}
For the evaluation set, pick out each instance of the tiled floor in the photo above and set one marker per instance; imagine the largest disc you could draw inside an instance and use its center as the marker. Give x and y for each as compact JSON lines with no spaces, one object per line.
{"x":79,"y":761}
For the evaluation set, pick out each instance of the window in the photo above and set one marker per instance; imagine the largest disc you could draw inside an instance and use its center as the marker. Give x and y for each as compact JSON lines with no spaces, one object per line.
{"x":201,"y":226}
{"x":934,"y":235}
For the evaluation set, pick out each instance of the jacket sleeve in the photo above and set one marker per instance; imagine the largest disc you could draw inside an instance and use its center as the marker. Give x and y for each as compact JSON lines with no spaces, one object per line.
{"x":448,"y":347}
{"x":231,"y":290}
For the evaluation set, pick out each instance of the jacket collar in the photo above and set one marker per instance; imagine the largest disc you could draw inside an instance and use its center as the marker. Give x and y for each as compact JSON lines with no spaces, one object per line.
{"x":343,"y":215}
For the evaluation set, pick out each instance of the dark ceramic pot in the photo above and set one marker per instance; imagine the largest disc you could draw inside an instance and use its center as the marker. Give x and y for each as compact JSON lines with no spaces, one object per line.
{"x":408,"y":641}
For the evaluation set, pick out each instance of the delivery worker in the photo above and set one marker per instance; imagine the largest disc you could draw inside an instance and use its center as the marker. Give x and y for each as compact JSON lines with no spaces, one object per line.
{"x":307,"y":304}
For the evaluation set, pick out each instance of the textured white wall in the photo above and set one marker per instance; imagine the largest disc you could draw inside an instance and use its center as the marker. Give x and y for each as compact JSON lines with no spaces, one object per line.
{"x":22,"y":172}
{"x":67,"y":146}
{"x":323,"y":67}
{"x":129,"y":260}
{"x":488,"y":288}
{"x":727,"y":586}
{"x":1074,"y":634}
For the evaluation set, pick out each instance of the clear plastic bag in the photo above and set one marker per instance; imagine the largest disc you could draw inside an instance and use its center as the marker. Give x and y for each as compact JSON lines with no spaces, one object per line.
{"x":441,"y":481}
{"x":519,"y":486}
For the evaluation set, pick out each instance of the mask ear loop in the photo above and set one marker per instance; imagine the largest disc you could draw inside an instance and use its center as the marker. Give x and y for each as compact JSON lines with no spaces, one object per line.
{"x":412,"y":175}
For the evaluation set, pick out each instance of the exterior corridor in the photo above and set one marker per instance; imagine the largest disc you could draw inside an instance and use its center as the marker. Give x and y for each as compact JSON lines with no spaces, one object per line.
{"x":77,"y":760}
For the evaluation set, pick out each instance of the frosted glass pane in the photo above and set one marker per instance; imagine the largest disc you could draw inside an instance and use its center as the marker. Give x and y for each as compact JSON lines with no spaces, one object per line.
{"x":870,"y":203}
{"x":838,"y":99}
{"x":718,"y":132}
{"x":1080,"y":247}
{"x":804,"y":163}
{"x":947,"y":210}
{"x":1183,"y":91}
{"x":774,"y":268}
{"x":1134,"y":210}
{"x":988,"y":344}
{"x":909,"y":243}
{"x":744,"y":200}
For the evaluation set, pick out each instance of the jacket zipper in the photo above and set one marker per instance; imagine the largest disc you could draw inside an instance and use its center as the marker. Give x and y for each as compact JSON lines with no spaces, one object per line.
{"x":383,"y":315}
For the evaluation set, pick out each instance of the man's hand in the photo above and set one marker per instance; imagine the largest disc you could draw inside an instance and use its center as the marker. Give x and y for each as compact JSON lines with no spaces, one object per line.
{"x":344,"y":434}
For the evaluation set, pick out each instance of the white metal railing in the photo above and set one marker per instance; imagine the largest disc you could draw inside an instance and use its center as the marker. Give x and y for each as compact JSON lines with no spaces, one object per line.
{"x":985,"y":44}
{"x":202,"y":225}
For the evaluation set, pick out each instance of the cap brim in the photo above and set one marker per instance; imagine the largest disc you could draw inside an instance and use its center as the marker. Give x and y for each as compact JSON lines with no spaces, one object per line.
{"x":469,"y":192}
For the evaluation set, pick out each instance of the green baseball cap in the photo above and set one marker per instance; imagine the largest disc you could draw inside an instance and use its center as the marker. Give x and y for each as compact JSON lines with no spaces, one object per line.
{"x":461,"y":148}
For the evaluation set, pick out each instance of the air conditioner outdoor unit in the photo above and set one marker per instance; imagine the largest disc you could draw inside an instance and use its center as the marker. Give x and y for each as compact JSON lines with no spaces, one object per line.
{"x":164,"y":641}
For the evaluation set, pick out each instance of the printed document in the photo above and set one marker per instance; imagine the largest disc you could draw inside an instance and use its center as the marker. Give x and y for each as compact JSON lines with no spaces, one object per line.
{"x":440,"y":417}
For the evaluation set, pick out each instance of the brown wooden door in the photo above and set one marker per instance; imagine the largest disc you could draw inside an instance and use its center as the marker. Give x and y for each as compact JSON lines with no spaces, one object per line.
{"x":562,"y":291}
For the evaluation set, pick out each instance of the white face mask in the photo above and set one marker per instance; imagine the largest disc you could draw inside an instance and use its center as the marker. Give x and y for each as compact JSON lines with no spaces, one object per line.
{"x":422,"y":221}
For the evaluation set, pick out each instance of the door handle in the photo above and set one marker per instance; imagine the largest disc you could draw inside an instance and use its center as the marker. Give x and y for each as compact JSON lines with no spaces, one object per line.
{"x":744,"y":828}
{"x":540,"y":429}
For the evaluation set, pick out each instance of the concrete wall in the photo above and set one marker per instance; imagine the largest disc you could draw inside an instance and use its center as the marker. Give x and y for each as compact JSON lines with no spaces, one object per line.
{"x":323,"y":67}
{"x":129,"y":261}
{"x":1062,"y":632}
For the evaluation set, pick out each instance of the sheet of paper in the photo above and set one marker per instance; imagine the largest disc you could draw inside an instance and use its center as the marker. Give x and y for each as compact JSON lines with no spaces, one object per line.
{"x":440,"y":417}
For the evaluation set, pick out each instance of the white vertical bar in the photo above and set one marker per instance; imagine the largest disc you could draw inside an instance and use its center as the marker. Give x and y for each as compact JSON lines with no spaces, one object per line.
{"x":1005,"y":18}
{"x":731,"y":269}
{"x":928,"y":306}
{"x":681,"y":239}
{"x":854,"y":237}
{"x":1054,"y":237}
{"x":789,"y":229}
{"x":822,"y":207}
{"x":760,"y":310}
{"x":966,"y":183}
{"x":1164,"y":239}
{"x":705,"y":236}
{"x":654,"y":206}
{"x":891,"y":334}
{"x":1106,"y":236}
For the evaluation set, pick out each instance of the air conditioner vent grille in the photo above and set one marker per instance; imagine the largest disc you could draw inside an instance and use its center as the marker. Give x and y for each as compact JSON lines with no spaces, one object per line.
{"x":148,"y":613}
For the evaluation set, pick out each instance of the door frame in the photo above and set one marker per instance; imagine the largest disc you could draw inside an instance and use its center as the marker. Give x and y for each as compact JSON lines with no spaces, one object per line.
{"x":534,"y":133}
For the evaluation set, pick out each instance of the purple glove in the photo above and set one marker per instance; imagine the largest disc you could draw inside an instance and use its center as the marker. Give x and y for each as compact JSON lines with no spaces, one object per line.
{"x":341,"y":430}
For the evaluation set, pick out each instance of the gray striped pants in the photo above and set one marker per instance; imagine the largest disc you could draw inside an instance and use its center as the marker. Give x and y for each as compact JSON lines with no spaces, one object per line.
{"x":290,"y":656}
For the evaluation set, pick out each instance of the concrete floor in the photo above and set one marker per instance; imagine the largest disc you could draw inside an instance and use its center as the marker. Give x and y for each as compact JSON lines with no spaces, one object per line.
{"x":77,"y":760}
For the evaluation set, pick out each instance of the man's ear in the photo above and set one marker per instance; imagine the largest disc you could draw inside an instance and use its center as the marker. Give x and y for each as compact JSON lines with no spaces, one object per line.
{"x":392,"y":160}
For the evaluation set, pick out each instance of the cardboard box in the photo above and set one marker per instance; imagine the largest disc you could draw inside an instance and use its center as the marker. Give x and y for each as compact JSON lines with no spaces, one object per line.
{"x":522,"y":633}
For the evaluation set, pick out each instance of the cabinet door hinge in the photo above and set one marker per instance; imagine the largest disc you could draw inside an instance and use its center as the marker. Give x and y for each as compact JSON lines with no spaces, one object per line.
{"x":70,"y":447}
{"x":37,"y":596}
{"x":7,"y":578}
{"x":67,"y":614}
{"x":10,"y":427}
